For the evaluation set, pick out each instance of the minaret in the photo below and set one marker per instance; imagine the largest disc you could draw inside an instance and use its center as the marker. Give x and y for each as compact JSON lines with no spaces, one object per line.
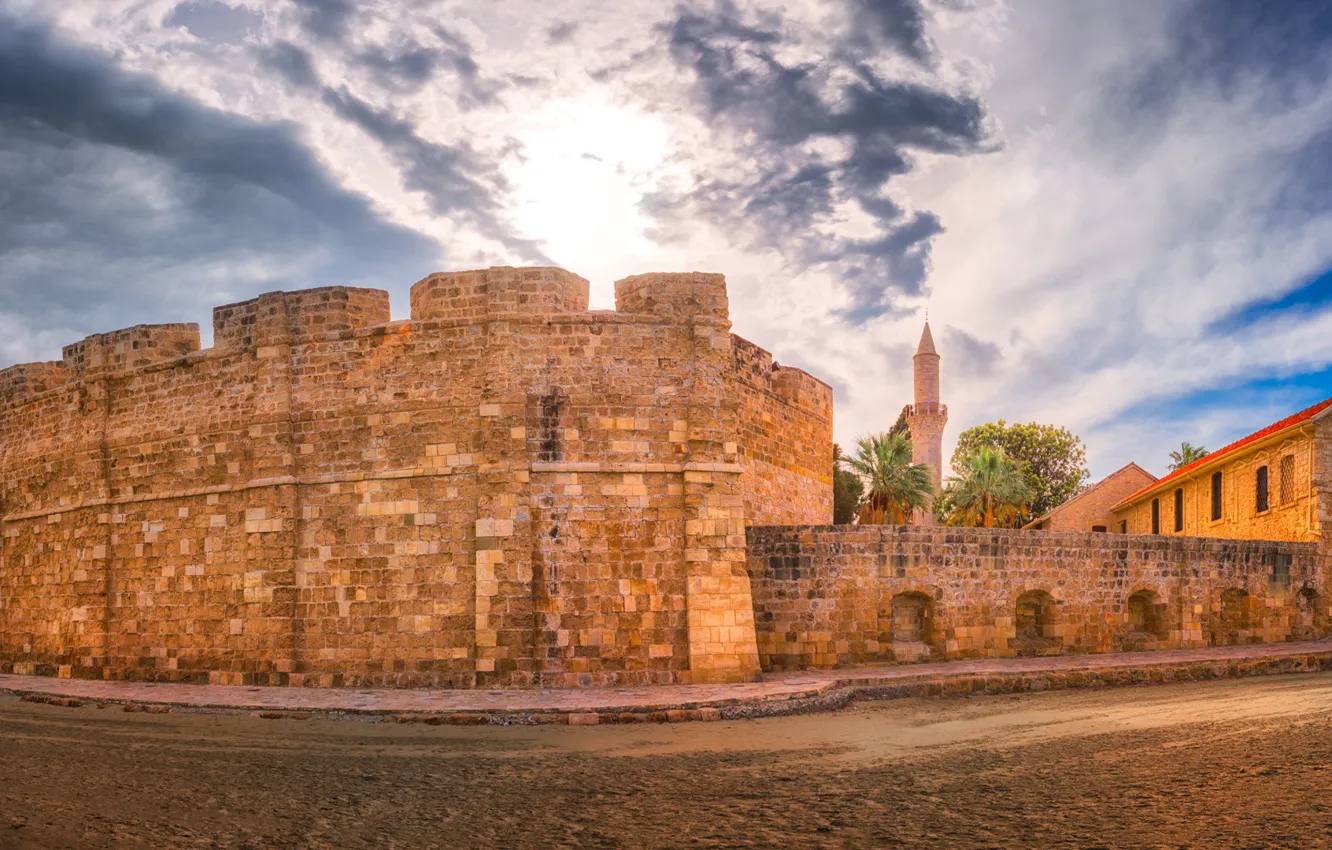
{"x":927,"y":417}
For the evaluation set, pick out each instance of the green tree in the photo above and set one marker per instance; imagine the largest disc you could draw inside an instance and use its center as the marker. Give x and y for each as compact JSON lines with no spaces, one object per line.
{"x":1187,"y":454}
{"x":896,"y":485}
{"x":901,"y":426}
{"x":989,"y":491}
{"x":1052,"y":460}
{"x":847,"y":490}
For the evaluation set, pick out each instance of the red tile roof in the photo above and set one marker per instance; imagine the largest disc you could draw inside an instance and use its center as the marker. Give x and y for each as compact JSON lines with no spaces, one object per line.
{"x":1300,"y":418}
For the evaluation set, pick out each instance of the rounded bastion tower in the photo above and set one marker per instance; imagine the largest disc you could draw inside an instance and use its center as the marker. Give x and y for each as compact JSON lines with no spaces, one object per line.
{"x":506,"y":489}
{"x":927,"y":417}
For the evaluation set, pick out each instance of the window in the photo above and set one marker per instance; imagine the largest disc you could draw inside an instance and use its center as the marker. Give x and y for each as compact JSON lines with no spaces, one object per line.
{"x":1179,"y":509}
{"x":1216,"y":496}
{"x":1156,"y":516}
{"x":1260,"y":488}
{"x":1123,"y":526}
{"x":1098,"y":529}
{"x":1287,"y":479}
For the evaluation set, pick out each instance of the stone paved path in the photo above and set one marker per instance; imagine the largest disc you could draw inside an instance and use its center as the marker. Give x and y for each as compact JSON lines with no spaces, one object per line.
{"x":778,"y":693}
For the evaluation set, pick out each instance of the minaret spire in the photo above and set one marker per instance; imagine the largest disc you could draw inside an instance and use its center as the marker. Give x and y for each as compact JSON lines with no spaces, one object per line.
{"x":926,"y":340}
{"x":927,"y":417}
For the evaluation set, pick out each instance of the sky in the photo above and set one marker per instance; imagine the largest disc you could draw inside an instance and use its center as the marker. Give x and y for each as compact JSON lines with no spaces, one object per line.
{"x":1117,"y":214}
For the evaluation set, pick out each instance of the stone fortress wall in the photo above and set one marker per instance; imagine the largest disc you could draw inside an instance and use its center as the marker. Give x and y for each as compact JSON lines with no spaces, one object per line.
{"x":506,"y":490}
{"x":511,"y":490}
{"x":838,"y":596}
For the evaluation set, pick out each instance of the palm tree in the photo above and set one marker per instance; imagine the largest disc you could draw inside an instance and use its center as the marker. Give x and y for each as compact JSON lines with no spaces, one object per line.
{"x":1186,"y":455}
{"x":897,"y":487}
{"x":990,"y":491}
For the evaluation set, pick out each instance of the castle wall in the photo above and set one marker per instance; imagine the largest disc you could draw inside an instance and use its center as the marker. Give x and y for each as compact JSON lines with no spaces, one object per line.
{"x":785,"y":419}
{"x":843,"y":595}
{"x":506,"y":490}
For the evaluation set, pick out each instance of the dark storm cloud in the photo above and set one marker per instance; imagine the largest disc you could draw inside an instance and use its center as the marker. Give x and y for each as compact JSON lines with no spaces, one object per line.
{"x":326,"y":20}
{"x":409,"y":68}
{"x":293,"y":63}
{"x":780,"y":107}
{"x":123,"y":202}
{"x":456,"y":181}
{"x":898,"y":25}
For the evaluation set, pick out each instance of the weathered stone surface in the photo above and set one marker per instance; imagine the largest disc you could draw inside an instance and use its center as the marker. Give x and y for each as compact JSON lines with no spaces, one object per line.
{"x":833,"y":596}
{"x":506,"y":490}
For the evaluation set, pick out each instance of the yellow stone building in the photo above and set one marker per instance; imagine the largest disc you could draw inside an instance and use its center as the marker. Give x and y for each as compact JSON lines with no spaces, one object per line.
{"x":1265,"y":486}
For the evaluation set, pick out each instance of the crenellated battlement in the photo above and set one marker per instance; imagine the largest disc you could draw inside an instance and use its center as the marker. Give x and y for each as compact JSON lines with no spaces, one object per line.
{"x":506,"y":490}
{"x":125,"y":350}
{"x":25,"y":380}
{"x":276,"y":318}
{"x":689,"y":295}
{"x":474,"y":295}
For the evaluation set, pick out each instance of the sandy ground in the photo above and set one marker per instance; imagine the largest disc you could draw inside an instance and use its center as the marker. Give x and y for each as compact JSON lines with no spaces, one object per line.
{"x":1244,"y":764}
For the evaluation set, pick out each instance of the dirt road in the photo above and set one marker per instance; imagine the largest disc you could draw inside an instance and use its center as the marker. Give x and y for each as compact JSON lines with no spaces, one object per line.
{"x":1219,"y":764}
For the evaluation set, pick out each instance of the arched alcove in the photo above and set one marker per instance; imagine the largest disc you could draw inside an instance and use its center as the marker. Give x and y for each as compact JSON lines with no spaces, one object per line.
{"x":1035,"y":621}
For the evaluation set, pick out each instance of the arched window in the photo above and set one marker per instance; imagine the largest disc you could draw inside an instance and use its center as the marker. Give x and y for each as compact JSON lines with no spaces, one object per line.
{"x":1260,"y":489}
{"x":1216,"y":496}
{"x":1179,"y":509}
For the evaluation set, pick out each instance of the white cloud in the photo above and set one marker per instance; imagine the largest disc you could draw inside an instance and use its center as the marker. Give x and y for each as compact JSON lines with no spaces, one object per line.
{"x":1094,"y":251}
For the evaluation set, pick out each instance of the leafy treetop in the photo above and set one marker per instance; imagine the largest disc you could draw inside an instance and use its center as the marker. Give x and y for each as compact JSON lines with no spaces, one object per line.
{"x":1052,"y":459}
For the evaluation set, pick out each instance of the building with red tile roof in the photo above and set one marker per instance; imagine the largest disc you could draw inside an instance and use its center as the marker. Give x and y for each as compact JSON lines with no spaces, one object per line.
{"x":1265,"y":486}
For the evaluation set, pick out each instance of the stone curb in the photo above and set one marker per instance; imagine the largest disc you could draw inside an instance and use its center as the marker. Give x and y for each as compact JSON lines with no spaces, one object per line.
{"x":836,"y":694}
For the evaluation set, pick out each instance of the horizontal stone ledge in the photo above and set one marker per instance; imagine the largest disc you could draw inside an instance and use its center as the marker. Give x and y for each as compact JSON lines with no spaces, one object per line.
{"x":631,"y":468}
{"x":386,"y":475}
{"x":253,"y":484}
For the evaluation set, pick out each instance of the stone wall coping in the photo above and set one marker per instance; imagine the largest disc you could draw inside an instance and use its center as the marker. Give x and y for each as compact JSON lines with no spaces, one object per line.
{"x":910,"y":533}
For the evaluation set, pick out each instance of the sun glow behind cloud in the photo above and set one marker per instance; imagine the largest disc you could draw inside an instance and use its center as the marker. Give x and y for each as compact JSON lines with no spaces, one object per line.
{"x":586,"y":163}
{"x":1129,"y":248}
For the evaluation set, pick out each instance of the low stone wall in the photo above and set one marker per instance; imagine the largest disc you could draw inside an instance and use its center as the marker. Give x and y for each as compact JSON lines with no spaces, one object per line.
{"x":832,"y":596}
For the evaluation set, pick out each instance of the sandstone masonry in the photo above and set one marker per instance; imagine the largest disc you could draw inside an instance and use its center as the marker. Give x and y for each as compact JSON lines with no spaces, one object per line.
{"x":506,"y":490}
{"x":511,"y":490}
{"x":845,"y":595}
